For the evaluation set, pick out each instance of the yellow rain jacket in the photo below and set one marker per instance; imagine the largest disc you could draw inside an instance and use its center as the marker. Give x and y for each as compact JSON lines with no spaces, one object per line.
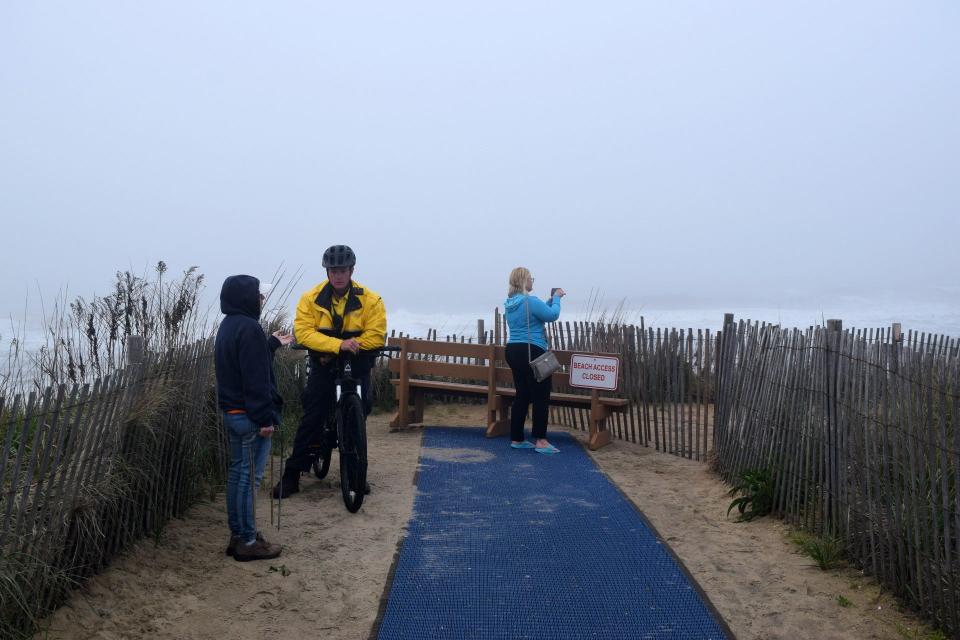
{"x":323,"y":321}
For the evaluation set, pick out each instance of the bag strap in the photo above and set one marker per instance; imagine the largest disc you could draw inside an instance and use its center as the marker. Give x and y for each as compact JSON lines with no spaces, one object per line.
{"x":526,"y":299}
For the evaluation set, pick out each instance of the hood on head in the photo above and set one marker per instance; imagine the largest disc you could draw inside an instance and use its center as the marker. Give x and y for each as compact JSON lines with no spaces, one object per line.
{"x":240,"y":295}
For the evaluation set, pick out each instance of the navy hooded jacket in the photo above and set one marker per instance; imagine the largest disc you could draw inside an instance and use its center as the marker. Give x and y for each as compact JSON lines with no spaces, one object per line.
{"x":244,"y":355}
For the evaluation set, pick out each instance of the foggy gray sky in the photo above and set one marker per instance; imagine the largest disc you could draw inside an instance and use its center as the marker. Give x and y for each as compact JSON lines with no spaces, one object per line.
{"x":763,"y":153}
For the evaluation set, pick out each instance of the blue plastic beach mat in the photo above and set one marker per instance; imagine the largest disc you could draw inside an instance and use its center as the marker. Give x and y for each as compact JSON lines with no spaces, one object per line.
{"x":510,"y":543}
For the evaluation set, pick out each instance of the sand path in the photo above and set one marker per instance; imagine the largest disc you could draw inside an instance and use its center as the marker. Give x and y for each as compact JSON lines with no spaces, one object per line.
{"x":329,"y":581}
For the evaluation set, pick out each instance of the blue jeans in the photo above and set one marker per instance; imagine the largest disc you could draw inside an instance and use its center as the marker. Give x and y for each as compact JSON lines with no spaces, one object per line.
{"x":248,"y":450}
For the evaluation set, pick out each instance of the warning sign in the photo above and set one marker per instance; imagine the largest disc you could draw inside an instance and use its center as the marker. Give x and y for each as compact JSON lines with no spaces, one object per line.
{"x":594,"y":372}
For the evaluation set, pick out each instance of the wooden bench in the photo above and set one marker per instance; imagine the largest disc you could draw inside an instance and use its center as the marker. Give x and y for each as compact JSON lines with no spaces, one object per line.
{"x":425,"y":367}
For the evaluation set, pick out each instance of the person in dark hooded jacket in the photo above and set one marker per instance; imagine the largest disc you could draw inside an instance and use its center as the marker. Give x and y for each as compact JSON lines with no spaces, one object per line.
{"x":247,"y":395}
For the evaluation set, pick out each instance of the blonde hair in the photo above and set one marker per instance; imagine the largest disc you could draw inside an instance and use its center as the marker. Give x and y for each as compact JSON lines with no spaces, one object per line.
{"x":518,"y":281}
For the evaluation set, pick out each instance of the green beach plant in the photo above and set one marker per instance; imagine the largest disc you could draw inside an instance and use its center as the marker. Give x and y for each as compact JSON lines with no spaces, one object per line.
{"x":827,"y":552}
{"x":756,"y":499}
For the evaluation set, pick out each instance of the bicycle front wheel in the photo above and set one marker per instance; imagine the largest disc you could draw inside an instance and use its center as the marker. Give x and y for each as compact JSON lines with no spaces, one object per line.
{"x":352,"y":430}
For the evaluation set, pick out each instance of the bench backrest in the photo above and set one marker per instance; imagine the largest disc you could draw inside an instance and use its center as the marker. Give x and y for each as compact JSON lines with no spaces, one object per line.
{"x":420,"y":360}
{"x":428,"y":366}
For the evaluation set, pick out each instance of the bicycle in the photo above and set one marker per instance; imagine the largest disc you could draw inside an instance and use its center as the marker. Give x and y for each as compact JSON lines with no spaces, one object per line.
{"x":346,"y":430}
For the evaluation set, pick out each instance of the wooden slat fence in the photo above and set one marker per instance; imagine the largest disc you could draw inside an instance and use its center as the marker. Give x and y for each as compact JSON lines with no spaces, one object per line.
{"x":667,"y":374}
{"x":87,"y":470}
{"x":862,"y":435}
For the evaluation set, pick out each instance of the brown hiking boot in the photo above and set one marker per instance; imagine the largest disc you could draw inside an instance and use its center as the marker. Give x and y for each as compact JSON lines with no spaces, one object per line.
{"x":234,"y":541}
{"x":259,"y":550}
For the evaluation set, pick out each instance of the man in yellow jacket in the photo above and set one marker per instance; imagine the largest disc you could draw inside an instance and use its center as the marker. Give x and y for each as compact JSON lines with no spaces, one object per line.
{"x":337,"y":315}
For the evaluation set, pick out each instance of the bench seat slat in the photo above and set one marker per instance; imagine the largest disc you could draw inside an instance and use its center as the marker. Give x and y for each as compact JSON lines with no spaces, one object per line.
{"x":452,"y":387}
{"x":563,"y":399}
{"x":457,"y":349}
{"x":570,"y":399}
{"x":480,"y":373}
{"x":563,"y":357}
{"x":504,"y":374}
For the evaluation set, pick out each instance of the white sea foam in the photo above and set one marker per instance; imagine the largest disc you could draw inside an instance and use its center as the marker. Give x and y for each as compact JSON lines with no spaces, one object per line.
{"x":937,"y":319}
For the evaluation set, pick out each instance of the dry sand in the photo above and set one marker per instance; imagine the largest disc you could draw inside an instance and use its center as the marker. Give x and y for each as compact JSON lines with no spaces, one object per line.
{"x":330,"y":579}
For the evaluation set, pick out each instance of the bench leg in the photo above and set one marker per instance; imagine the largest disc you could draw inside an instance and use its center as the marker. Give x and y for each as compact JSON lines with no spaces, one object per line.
{"x":396,"y":424}
{"x":599,"y":434}
{"x":501,"y":425}
{"x":414,"y":414}
{"x":491,"y":417}
{"x":419,"y":401}
{"x":498,"y":428}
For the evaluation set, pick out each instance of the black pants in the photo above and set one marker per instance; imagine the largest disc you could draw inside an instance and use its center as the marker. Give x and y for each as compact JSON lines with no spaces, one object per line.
{"x":318,"y":399}
{"x":528,"y":390}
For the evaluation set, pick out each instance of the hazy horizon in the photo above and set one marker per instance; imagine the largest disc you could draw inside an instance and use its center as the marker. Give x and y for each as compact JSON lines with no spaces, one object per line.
{"x":935,"y":318}
{"x":659,"y":156}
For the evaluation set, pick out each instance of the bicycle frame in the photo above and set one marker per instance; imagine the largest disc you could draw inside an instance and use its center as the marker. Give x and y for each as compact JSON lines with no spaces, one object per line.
{"x":352,"y":445}
{"x":345,"y":370}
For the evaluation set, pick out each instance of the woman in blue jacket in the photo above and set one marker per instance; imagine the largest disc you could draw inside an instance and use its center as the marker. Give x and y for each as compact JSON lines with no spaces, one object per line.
{"x":526,"y":316}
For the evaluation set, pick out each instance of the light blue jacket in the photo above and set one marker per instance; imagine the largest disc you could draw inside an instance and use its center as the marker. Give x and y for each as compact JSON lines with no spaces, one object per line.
{"x":515,"y":309}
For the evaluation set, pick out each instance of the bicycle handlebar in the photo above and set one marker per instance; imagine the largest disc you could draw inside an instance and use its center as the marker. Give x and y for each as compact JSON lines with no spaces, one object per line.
{"x":379,"y":351}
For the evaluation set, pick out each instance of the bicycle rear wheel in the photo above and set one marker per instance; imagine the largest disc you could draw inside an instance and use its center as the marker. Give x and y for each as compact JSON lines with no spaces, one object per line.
{"x":322,"y":463}
{"x":328,"y":442}
{"x":352,"y":431}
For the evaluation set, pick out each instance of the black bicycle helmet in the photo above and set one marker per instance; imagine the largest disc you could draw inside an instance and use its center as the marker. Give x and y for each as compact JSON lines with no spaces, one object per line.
{"x":339,"y":255}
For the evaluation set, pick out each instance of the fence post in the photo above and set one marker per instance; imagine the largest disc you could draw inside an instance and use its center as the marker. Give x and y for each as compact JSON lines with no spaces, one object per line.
{"x":724,"y":343}
{"x":135,"y":357}
{"x":403,"y":387}
{"x":481,"y":334}
{"x":832,"y":388}
{"x":134,"y":349}
{"x":896,"y":338}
